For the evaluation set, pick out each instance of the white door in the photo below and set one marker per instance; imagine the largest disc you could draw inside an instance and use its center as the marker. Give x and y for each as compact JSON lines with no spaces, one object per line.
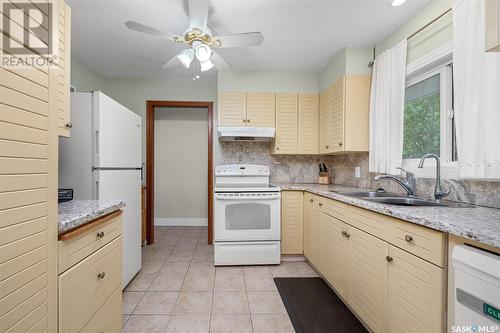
{"x":117,"y":134}
{"x":247,"y":216}
{"x":125,"y":185}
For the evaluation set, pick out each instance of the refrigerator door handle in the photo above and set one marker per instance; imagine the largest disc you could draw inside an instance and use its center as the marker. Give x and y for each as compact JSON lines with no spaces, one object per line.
{"x":96,"y":143}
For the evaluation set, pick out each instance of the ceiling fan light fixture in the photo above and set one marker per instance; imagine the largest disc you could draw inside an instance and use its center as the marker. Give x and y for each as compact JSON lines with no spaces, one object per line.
{"x":186,"y":57}
{"x":397,"y":3}
{"x":203,"y":52}
{"x":206,"y":65}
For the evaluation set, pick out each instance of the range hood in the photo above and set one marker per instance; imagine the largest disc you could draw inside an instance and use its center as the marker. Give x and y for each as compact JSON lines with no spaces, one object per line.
{"x":246,"y":133}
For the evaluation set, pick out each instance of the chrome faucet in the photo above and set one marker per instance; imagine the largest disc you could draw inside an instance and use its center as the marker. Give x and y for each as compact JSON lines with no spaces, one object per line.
{"x":438,"y":190}
{"x":409,"y":184}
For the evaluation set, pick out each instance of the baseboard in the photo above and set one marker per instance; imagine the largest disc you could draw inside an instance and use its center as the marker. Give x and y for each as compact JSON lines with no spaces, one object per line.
{"x":180,"y":221}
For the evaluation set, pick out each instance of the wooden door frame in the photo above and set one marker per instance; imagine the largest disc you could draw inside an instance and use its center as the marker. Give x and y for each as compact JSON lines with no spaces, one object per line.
{"x":150,"y":130}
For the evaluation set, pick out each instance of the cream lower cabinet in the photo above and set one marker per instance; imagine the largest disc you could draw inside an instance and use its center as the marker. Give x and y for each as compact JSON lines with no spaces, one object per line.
{"x":292,"y":222}
{"x":90,"y":282}
{"x":336,"y":254}
{"x":394,"y":281}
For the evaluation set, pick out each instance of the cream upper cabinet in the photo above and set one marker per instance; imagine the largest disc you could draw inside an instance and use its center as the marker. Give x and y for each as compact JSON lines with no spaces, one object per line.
{"x":308,"y":122}
{"x":63,"y":69}
{"x":260,"y":109}
{"x":336,"y":253}
{"x":292,"y":222}
{"x":286,"y":124}
{"x":325,"y":139}
{"x":240,"y":109}
{"x":344,"y":115}
{"x":415,"y":295}
{"x":232,"y":109}
{"x":492,"y":25}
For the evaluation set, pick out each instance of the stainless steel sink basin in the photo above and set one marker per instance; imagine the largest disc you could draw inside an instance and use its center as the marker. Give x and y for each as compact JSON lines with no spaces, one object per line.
{"x":400,"y":200}
{"x":372,"y":194}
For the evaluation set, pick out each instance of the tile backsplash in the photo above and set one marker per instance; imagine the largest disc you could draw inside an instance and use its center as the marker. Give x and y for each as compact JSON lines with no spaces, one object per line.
{"x":304,"y":169}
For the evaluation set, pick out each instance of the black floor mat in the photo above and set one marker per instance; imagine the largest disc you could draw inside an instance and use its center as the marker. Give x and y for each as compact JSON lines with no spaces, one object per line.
{"x":314,"y":308}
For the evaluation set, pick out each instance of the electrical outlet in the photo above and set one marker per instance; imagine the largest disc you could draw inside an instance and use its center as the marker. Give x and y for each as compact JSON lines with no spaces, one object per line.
{"x":357,"y":172}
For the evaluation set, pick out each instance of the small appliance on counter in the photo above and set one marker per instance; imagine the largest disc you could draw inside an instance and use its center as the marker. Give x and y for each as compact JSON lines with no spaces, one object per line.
{"x":64,"y":195}
{"x":324,"y":176}
{"x":247,"y":216}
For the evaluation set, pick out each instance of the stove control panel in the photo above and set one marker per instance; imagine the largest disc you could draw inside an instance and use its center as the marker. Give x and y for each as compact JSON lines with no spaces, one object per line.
{"x":228,"y":170}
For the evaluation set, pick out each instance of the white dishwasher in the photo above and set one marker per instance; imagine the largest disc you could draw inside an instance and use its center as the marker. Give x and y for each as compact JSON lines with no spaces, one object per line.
{"x":477,"y":289}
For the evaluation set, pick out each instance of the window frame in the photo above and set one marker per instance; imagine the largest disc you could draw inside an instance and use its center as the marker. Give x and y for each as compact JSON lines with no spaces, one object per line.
{"x":440,"y":61}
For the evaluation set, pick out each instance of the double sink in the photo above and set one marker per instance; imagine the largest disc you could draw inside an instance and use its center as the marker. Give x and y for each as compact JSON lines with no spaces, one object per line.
{"x":400,"y":200}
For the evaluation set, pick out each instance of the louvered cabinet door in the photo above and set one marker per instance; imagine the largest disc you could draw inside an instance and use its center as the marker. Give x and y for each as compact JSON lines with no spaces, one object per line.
{"x":63,"y":21}
{"x":292,"y":226}
{"x":308,"y":122}
{"x":317,"y":235}
{"x":232,"y":109}
{"x":324,"y":122}
{"x":28,"y":207}
{"x":261,"y":109}
{"x":336,"y":254}
{"x":286,"y":124}
{"x":309,"y":206}
{"x":336,"y":110}
{"x":367,"y":288}
{"x":492,"y":18}
{"x":416,"y":294}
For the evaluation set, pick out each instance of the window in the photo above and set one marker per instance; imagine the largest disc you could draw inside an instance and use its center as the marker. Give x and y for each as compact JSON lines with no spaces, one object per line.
{"x":428,"y":116}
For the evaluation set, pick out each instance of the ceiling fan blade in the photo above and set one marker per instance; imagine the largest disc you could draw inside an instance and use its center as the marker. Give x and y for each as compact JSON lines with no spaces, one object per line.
{"x":219,"y":62}
{"x":198,"y":13}
{"x":243,"y":39}
{"x":171,"y":63}
{"x":132,"y":25}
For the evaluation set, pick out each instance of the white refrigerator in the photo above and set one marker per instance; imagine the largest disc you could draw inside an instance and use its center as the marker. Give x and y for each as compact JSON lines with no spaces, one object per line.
{"x":103,"y":160}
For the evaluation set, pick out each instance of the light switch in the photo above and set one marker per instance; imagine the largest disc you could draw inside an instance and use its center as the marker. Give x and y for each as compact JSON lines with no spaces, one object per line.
{"x":357,"y":172}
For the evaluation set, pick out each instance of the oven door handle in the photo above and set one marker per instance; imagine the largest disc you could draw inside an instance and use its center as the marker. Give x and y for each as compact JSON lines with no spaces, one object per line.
{"x":255,"y":197}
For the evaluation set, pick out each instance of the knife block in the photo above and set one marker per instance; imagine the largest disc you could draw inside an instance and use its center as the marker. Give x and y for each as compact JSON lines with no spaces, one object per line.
{"x":324,"y":178}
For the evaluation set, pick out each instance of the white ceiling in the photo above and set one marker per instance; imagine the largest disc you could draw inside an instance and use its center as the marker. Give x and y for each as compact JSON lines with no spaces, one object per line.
{"x":298,"y":35}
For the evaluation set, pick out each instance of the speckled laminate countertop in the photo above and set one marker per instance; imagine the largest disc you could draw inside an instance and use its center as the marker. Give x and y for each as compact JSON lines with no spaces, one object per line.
{"x":75,"y":213}
{"x":478,"y":223}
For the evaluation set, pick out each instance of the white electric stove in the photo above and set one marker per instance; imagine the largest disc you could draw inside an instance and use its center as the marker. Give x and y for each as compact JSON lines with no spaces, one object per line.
{"x":246,"y":216}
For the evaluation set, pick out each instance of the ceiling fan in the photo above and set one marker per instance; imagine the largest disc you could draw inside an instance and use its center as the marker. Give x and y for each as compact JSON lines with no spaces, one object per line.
{"x":199,"y":39}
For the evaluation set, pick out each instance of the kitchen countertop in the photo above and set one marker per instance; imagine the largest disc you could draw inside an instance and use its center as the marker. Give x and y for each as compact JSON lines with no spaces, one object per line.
{"x":478,"y":223}
{"x":75,"y":213}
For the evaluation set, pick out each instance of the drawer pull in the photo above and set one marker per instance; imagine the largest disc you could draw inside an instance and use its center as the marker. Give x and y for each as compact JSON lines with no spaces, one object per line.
{"x":347,"y":235}
{"x":408,"y":238}
{"x":100,"y":234}
{"x":101,"y":275}
{"x":343,"y":233}
{"x":389,"y":258}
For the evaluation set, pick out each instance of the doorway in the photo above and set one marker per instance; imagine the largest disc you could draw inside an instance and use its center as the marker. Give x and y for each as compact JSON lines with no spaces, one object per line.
{"x":159,"y":106}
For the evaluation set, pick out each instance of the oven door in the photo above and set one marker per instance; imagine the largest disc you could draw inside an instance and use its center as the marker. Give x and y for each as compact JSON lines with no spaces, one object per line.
{"x":247,"y":216}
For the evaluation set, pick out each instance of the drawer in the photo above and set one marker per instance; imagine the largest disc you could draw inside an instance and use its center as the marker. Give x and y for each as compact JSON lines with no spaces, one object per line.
{"x":85,"y":287}
{"x":423,"y":242}
{"x":108,"y":319}
{"x":82,"y":243}
{"x":336,"y":209}
{"x":373,"y":223}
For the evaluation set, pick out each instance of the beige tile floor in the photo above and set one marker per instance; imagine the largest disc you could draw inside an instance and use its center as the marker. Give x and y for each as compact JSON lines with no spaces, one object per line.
{"x":180,"y":290}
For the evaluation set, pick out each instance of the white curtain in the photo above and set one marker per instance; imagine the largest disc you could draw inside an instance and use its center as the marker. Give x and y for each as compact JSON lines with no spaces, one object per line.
{"x":477,"y":93}
{"x":387,"y":110}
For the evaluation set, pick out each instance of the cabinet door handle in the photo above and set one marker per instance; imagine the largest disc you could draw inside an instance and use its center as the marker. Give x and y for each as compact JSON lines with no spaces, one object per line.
{"x":277,"y":148}
{"x":311,"y":200}
{"x":327,"y":146}
{"x":408,"y":238}
{"x":69,"y":124}
{"x":101,"y":275}
{"x":340,"y":144}
{"x":347,"y":235}
{"x":100,"y":234}
{"x":320,"y":204}
{"x":244,"y":120}
{"x":343,"y":233}
{"x":248,"y":120}
{"x":389,"y":258}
